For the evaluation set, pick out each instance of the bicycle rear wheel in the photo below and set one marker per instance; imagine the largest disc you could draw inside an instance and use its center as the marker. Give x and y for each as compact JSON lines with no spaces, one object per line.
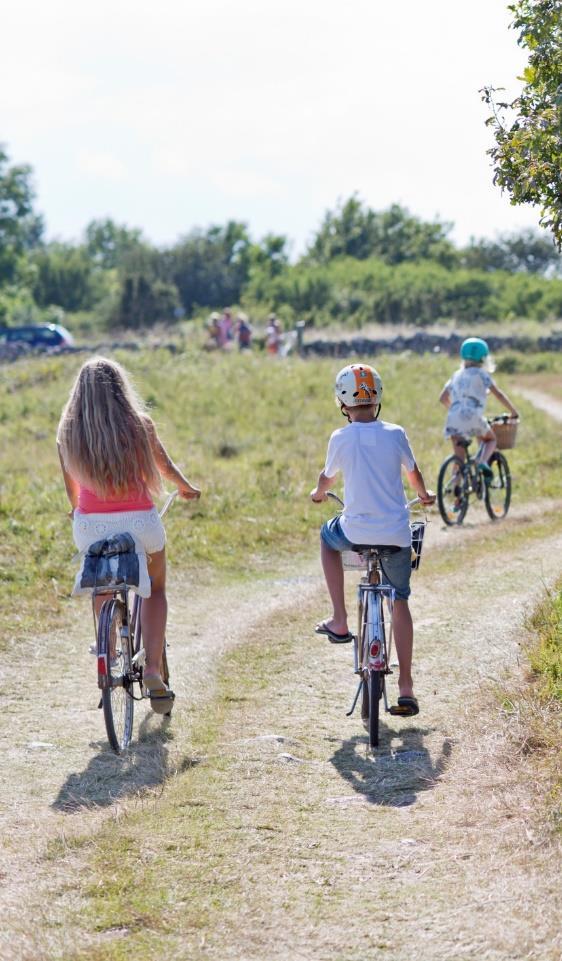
{"x":370,"y":711}
{"x":498,"y":488}
{"x":452,"y":492}
{"x":114,"y":674}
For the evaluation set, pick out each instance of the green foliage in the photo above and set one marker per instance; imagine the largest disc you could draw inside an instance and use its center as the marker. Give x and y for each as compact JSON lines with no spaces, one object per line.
{"x":393,"y":235}
{"x":546,"y":654}
{"x":527,"y":151}
{"x":355,"y":292}
{"x":20,"y":227}
{"x":527,"y":251}
{"x":108,"y":243}
{"x":66,"y":275}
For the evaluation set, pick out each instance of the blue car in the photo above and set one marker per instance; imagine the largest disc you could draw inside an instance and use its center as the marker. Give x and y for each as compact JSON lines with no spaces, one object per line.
{"x":38,"y":337}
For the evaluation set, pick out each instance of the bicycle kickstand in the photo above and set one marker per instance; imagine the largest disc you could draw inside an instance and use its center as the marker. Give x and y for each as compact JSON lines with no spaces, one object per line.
{"x":355,"y":699}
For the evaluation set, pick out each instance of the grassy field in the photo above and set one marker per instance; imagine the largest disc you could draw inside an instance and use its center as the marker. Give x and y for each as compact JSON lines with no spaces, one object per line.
{"x":249,"y":430}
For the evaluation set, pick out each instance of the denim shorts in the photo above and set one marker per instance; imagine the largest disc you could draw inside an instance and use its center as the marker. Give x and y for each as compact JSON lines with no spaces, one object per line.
{"x":396,"y":564}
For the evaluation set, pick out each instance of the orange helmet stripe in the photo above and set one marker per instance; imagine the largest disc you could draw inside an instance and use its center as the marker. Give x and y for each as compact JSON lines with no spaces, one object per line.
{"x":365,"y":382}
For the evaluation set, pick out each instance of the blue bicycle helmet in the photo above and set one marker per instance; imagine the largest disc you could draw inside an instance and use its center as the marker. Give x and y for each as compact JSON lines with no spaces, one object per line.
{"x":474,"y":349}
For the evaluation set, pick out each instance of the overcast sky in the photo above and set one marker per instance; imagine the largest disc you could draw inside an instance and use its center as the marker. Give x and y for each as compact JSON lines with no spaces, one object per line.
{"x":180,"y":113}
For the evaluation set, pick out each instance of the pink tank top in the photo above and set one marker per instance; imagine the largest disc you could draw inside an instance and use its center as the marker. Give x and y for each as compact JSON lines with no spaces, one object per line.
{"x":133,"y":500}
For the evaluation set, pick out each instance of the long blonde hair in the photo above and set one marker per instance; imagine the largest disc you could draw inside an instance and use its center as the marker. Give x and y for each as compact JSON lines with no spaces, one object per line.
{"x":103,"y":433}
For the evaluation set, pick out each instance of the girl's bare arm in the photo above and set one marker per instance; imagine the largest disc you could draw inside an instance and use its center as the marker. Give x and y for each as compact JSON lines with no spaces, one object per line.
{"x":168,"y":469}
{"x":72,"y":486}
{"x":503,"y":399}
{"x":445,"y":397}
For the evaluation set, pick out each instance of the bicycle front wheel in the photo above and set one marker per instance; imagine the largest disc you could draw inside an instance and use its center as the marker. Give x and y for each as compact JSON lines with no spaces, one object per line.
{"x":498,"y":488}
{"x":452,"y":492}
{"x":114,"y":673}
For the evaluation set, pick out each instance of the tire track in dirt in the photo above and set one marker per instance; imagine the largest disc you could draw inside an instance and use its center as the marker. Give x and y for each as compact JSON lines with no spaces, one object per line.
{"x":57,"y":777}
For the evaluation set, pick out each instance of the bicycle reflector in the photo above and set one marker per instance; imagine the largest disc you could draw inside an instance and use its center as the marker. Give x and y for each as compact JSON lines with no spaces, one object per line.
{"x":102,"y":665}
{"x":375,"y":648}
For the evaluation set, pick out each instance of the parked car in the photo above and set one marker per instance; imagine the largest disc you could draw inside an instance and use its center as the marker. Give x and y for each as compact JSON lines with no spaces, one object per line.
{"x":38,"y":337}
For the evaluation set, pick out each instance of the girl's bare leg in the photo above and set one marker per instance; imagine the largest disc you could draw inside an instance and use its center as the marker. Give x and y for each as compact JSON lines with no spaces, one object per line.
{"x":489,"y":445}
{"x":154,"y":612}
{"x":458,"y":449}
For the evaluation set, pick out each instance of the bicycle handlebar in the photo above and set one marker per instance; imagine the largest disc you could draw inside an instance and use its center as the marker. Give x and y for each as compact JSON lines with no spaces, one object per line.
{"x":168,"y":502}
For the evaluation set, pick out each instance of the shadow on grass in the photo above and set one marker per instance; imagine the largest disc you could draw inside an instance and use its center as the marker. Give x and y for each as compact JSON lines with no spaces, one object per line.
{"x":109,"y":776}
{"x":397,"y":772}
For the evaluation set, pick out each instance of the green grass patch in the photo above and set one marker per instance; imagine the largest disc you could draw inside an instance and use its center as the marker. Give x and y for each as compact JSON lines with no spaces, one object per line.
{"x":250,"y":430}
{"x":545,"y":655}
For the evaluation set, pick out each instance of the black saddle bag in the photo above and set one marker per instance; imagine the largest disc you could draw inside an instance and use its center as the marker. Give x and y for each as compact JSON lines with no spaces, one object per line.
{"x":110,"y":562}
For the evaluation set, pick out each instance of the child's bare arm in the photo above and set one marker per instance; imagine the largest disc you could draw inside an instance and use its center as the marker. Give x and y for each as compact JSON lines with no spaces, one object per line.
{"x":168,"y":469}
{"x":445,"y":397}
{"x":415,"y":479}
{"x":323,"y":485}
{"x":503,"y":399}
{"x":72,"y":487}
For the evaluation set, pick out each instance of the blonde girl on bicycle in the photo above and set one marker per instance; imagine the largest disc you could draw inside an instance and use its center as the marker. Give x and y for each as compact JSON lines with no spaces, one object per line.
{"x":465,"y":394}
{"x":112,"y":462}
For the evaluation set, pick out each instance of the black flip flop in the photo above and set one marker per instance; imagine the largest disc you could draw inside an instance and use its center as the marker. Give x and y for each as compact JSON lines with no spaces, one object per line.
{"x":406,"y":707}
{"x":332,"y":636}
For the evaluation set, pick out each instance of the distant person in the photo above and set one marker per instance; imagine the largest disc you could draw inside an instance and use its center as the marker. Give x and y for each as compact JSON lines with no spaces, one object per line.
{"x":371,"y":455}
{"x":226,"y":325}
{"x":112,"y":462}
{"x":213,"y":328}
{"x":465,"y":395}
{"x":273,"y":335}
{"x":243,"y":331}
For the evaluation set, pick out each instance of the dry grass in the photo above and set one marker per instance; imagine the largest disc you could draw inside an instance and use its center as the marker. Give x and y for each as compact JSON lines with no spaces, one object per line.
{"x":288,"y":842}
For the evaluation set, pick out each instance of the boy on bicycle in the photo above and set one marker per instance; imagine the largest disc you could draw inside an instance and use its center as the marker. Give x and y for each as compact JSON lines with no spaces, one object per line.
{"x":370,"y":454}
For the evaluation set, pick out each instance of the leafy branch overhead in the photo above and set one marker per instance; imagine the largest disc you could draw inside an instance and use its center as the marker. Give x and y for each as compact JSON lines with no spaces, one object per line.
{"x":527,"y":155}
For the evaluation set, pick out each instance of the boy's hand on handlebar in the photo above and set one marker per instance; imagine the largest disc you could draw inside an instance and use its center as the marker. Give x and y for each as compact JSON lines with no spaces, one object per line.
{"x":428,"y":499}
{"x":316,"y":497}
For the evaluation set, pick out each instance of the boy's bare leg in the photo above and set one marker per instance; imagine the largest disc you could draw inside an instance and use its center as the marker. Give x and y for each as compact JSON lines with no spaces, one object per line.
{"x":404,"y":640}
{"x":333,"y":572}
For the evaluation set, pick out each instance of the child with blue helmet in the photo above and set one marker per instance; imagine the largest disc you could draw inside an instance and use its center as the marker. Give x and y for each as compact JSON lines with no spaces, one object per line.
{"x":465,"y":394}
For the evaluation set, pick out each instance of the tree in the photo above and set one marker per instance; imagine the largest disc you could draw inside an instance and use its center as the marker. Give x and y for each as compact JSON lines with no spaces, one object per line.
{"x":393,"y":235}
{"x":211,"y":267}
{"x":527,"y":153}
{"x":109,"y":243}
{"x":529,"y":252}
{"x":66,"y":276}
{"x":20,"y":227}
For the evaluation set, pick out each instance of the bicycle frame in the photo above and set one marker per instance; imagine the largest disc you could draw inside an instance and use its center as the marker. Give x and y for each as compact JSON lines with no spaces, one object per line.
{"x":371,"y":651}
{"x":131,"y":629}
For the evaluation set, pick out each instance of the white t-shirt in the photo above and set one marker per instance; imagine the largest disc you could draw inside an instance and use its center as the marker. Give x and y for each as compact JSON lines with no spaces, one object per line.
{"x":370,"y":457}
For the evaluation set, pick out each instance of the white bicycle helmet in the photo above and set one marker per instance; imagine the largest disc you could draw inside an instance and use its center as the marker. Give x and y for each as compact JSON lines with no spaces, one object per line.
{"x":357,"y":385}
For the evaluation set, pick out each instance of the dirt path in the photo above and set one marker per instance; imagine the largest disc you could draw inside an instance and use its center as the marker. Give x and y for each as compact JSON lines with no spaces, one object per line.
{"x":544,"y":402}
{"x":58,"y":783}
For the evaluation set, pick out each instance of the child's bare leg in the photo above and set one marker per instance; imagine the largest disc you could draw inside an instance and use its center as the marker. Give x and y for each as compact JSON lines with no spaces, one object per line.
{"x":458,"y":449}
{"x":154,"y":612}
{"x":404,"y":640}
{"x":333,"y":572}
{"x":489,"y":444}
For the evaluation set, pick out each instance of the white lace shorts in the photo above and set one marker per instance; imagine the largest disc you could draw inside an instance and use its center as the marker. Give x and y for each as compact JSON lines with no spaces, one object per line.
{"x":145,"y":526}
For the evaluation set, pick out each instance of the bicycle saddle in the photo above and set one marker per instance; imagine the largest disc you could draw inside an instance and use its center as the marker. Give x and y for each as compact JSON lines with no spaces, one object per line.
{"x":464,"y":442}
{"x":379,"y":548}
